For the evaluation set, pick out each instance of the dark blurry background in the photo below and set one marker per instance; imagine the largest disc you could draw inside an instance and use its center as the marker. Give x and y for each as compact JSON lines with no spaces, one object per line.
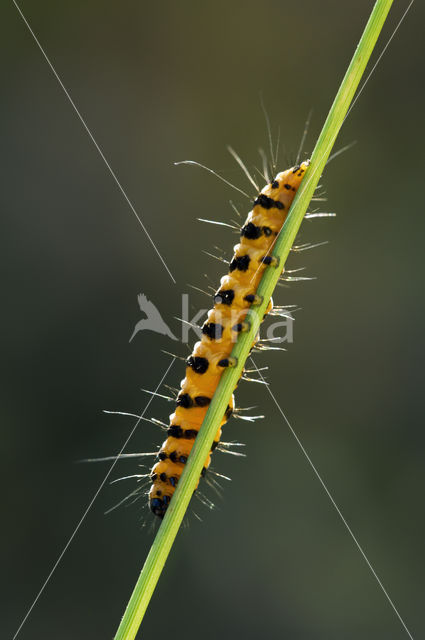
{"x":168,"y":81}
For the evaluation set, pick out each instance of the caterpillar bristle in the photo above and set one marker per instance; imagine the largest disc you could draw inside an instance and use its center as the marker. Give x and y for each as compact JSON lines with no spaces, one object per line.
{"x":152,"y":420}
{"x":277,"y":145}
{"x":284,"y":312}
{"x":286,"y":307}
{"x":189,"y":324}
{"x":121,"y":413}
{"x":238,"y":410}
{"x":200,"y":290}
{"x":232,"y":453}
{"x":158,"y":423}
{"x":310,"y":216}
{"x":232,"y":443}
{"x":219,"y":223}
{"x":269,"y":134}
{"x":210,"y":287}
{"x":219,"y":258}
{"x":235,"y":209}
{"x":263,"y":347}
{"x":158,"y":395}
{"x":304,"y":136}
{"x":339,"y":151}
{"x":205,"y":501}
{"x":261,"y":174}
{"x":172,"y":389}
{"x":215,"y":486}
{"x":297,"y":270}
{"x":219,"y":475}
{"x":243,"y":167}
{"x":173,"y":355}
{"x":253,"y":371}
{"x":121,"y":456}
{"x":247,"y":379}
{"x":248,"y":418}
{"x":135,"y":475}
{"x":265,"y":163}
{"x":223,"y":449}
{"x":307,"y":245}
{"x":217,"y":175}
{"x":124,"y":500}
{"x":287,"y":278}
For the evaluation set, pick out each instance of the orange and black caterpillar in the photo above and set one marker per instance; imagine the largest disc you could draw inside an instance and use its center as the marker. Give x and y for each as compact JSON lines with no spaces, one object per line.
{"x":211,"y":355}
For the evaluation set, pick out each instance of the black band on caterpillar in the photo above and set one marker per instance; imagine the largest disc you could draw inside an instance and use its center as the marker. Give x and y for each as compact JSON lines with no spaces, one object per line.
{"x":228,"y":362}
{"x":184,"y":400}
{"x":242,"y":327}
{"x":224,"y":296}
{"x":200,"y":365}
{"x":212,"y":330}
{"x":240,"y":262}
{"x":254,"y":298}
{"x":268,"y":203}
{"x":251,"y":231}
{"x":271,"y":260}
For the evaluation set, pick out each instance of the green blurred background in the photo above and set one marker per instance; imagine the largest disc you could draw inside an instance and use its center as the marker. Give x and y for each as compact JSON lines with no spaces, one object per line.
{"x":158,"y":83}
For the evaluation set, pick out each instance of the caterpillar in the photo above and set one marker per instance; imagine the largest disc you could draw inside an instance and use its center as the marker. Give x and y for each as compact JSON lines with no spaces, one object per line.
{"x":212,"y":354}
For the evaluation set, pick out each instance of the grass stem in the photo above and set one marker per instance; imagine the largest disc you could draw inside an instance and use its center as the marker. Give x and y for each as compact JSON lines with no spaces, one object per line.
{"x":167,"y":532}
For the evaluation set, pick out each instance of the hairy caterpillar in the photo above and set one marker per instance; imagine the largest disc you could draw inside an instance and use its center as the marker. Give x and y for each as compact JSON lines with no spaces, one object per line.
{"x":211,"y":355}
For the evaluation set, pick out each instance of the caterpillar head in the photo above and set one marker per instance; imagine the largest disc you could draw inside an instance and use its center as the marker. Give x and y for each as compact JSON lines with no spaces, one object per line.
{"x":285,"y":185}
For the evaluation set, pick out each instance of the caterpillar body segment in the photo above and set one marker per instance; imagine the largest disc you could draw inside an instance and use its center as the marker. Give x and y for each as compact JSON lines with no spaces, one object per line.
{"x":211,"y":355}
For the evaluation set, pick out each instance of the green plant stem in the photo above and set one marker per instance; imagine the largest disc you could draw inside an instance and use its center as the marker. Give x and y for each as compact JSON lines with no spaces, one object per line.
{"x":170,"y":525}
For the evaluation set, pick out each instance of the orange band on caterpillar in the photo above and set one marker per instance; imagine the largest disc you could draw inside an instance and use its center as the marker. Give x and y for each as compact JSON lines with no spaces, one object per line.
{"x":211,"y":355}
